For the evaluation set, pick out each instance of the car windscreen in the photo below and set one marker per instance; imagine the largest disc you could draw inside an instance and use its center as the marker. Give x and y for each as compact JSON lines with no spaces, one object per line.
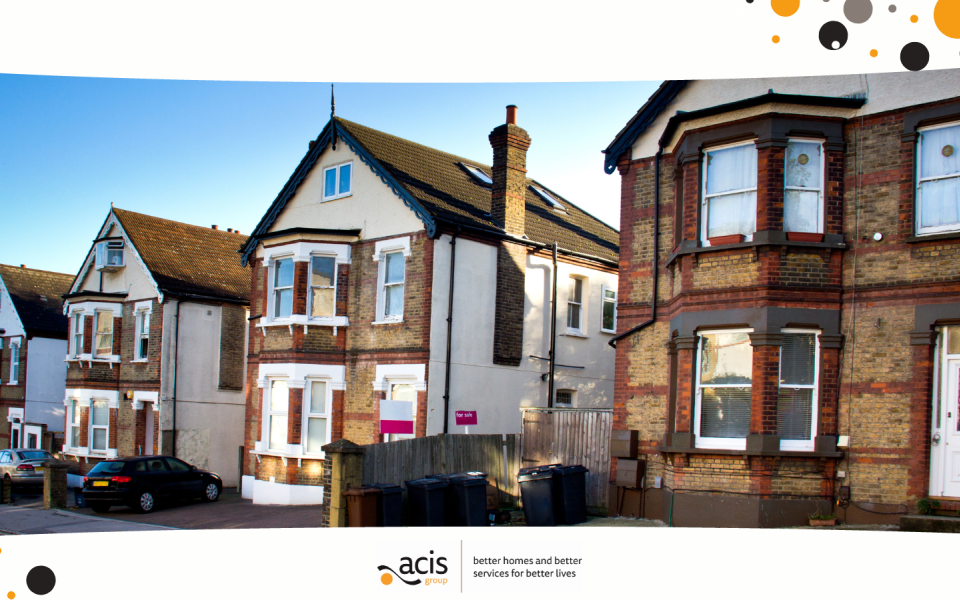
{"x":109,"y":467}
{"x":35,"y":455}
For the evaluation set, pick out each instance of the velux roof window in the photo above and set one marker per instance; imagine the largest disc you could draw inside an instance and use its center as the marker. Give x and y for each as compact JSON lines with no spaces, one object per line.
{"x":553,"y":202}
{"x":478,"y":174}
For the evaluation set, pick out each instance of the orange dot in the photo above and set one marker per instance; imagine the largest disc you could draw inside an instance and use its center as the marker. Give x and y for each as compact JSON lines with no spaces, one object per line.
{"x":385,"y":579}
{"x":785,"y":8}
{"x":11,"y":595}
{"x":776,"y":39}
{"x":873,"y":53}
{"x":914,"y":19}
{"x":946,"y":16}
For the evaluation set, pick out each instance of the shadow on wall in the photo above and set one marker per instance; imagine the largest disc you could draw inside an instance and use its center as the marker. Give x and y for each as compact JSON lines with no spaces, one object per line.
{"x":193,"y":446}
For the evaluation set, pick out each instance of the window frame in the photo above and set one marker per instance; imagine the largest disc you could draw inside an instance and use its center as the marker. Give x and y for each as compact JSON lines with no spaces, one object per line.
{"x":705,"y":200}
{"x":307,"y":413}
{"x":919,"y":230}
{"x":92,"y":427}
{"x":803,"y":445}
{"x":95,"y":350}
{"x":603,"y":303}
{"x":709,"y":442}
{"x":15,"y":362}
{"x":102,"y":253}
{"x":141,"y":321}
{"x":337,"y":168}
{"x":391,"y":382}
{"x":821,"y":198}
{"x":573,"y":398}
{"x":581,"y":329}
{"x":270,"y":413}
{"x":382,"y":316}
{"x":74,"y":424}
{"x":272,"y":273}
{"x":310,"y":286}
{"x":77,"y":337}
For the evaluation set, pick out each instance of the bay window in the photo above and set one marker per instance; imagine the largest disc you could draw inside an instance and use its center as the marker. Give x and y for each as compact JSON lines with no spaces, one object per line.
{"x":323,"y":286}
{"x":797,"y":398}
{"x":282,"y":287}
{"x":316,"y":417}
{"x":104,"y":334}
{"x":938,"y":179}
{"x":99,"y":425}
{"x":74,"y":424}
{"x":277,"y":415}
{"x":730,"y":193}
{"x":724,"y":388}
{"x":77,"y":334}
{"x":803,"y":187}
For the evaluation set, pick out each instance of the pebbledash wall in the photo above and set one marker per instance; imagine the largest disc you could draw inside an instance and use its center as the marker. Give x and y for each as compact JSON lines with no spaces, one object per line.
{"x":880,"y":307}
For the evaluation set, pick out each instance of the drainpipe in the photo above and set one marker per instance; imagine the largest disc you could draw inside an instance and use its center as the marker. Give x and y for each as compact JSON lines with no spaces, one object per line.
{"x":656,"y":250}
{"x":176,"y":353}
{"x":446,"y":385}
{"x":553,"y":330}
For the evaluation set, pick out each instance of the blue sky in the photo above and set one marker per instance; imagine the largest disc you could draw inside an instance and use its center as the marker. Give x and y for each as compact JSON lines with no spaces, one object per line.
{"x":213,"y":152}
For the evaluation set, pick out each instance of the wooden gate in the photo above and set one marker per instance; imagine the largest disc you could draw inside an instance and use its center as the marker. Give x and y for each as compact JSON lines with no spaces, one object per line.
{"x":570,"y":436}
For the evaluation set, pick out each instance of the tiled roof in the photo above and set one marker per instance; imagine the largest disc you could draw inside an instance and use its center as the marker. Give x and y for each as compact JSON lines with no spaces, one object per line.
{"x":188,"y":259}
{"x":37,"y":297}
{"x":450,"y":194}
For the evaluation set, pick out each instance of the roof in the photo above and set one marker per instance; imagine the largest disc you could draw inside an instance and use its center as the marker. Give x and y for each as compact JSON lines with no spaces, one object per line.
{"x":188,"y":259}
{"x":436,"y":186}
{"x":37,"y":297}
{"x":650,"y":110}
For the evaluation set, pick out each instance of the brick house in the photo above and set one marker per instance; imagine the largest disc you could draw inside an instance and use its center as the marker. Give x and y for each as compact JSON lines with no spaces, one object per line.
{"x":157,"y":338}
{"x":33,"y":340}
{"x":803,"y":350}
{"x":355,"y":333}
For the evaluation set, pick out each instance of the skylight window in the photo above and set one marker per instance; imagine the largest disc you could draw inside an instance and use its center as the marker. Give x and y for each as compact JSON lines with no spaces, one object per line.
{"x":546,"y":196}
{"x":478,"y":174}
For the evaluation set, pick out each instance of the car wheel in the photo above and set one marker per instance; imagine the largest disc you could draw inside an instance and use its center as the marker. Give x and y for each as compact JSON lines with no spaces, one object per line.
{"x":97,"y":507}
{"x":211,"y":492}
{"x":146,"y":502}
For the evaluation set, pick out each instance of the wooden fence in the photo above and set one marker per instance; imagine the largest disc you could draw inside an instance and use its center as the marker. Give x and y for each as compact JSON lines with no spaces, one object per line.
{"x":571,"y":436}
{"x":405,"y":460}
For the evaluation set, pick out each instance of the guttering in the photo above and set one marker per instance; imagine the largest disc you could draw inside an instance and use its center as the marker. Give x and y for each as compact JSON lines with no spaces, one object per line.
{"x":309,"y":230}
{"x":176,"y":354}
{"x":656,"y":251}
{"x":553,"y":331}
{"x":446,"y":383}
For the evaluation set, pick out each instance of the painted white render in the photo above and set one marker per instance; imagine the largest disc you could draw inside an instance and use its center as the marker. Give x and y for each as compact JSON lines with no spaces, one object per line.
{"x":46,"y":382}
{"x":133,"y":279}
{"x":372,"y":207}
{"x":497,"y":392}
{"x":891,"y":90}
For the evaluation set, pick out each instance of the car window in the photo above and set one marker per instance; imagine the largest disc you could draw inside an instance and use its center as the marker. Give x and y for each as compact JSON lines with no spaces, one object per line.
{"x":5,"y":457}
{"x":156,"y":466}
{"x":37,"y":454}
{"x":177,"y":466}
{"x":141,"y":467}
{"x":107,"y":467}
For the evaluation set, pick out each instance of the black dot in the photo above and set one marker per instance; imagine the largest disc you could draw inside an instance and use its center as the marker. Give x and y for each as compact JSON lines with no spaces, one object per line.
{"x":914,"y":56}
{"x":40,"y":580}
{"x":833,"y":35}
{"x":749,"y":1}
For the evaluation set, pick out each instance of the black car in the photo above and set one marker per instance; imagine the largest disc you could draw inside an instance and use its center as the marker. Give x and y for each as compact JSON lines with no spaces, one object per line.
{"x":141,"y":482}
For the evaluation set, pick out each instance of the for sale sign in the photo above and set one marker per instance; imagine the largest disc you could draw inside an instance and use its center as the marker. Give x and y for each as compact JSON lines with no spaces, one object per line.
{"x":466,"y":417}
{"x":396,"y":416}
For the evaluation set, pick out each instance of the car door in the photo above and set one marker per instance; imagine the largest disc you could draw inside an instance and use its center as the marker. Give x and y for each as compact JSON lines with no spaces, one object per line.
{"x":188,"y":482}
{"x":160,"y":477}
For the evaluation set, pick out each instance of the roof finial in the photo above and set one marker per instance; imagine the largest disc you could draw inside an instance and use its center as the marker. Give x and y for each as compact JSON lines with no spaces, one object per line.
{"x":333,"y":104}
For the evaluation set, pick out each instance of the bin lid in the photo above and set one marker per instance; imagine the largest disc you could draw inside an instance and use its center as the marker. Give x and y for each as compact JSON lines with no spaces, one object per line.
{"x":468,"y":481}
{"x":537,"y":468}
{"x":442,"y":476}
{"x":364,"y":490}
{"x":388,"y":488}
{"x":570,"y":470}
{"x":535,"y":475}
{"x":473,"y":474}
{"x":427,"y":483}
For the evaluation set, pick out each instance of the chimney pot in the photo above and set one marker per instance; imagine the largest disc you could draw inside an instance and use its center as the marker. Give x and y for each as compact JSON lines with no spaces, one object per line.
{"x":511,"y":114}
{"x":229,"y":230}
{"x":23,"y":266}
{"x":214,"y":227}
{"x":236,"y":231}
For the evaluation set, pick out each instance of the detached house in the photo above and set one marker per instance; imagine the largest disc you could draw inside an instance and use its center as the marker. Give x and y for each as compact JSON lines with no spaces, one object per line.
{"x":157,"y":322}
{"x":394,"y":284}
{"x":793,"y":341}
{"x":33,"y":340}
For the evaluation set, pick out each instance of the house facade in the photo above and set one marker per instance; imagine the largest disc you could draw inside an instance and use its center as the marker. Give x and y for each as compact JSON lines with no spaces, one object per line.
{"x":33,"y":334}
{"x":394,"y":284}
{"x":802,"y":351}
{"x":157,"y":338}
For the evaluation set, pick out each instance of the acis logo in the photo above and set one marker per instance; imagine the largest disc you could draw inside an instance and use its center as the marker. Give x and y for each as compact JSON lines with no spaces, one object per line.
{"x":410,"y":568}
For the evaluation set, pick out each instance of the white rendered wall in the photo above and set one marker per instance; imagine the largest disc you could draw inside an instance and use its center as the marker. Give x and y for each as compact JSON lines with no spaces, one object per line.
{"x":132,"y":279}
{"x":46,"y":382}
{"x":497,"y":392}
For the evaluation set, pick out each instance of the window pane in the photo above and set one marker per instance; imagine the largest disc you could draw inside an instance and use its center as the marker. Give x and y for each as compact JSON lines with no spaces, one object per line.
{"x":798,"y":359}
{"x":283,"y":276}
{"x":609,"y":295}
{"x":322,"y":302}
{"x":279,"y":394}
{"x":953,"y":339}
{"x":725,"y":412}
{"x":935,"y":157}
{"x":104,"y":344}
{"x":104,"y":322}
{"x":940,"y":202}
{"x":608,"y":312}
{"x":75,"y":437}
{"x":794,"y":412}
{"x":278,"y":432}
{"x":144,"y":347}
{"x":99,"y":439}
{"x":76,"y":413}
{"x":564,"y":397}
{"x":731,"y":169}
{"x":573,"y":316}
{"x":345,"y":179}
{"x":330,"y":183}
{"x":803,"y":165}
{"x":100,"y":414}
{"x":394,"y":301}
{"x":801,"y":211}
{"x":316,"y":434}
{"x":284,"y":303}
{"x":733,"y":214}
{"x":322,"y":270}
{"x":114,"y":257}
{"x":100,"y":254}
{"x":575,"y":290}
{"x":727,"y":358}
{"x":78,"y":324}
{"x":318,"y":397}
{"x":407,"y":393}
{"x":395,"y":267}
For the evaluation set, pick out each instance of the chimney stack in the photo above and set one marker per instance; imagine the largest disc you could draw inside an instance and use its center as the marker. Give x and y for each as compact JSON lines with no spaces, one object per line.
{"x":509,"y":189}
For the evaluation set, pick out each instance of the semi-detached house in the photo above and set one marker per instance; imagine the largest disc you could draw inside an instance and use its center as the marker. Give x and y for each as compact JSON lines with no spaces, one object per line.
{"x":394,"y":284}
{"x":157,"y":338}
{"x":795,"y":345}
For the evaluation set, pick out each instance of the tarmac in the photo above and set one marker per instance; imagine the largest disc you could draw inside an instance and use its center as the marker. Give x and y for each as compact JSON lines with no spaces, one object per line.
{"x":22,"y":520}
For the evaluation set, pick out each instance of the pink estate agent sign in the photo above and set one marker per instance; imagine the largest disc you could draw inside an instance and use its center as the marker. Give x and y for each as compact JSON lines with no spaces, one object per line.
{"x":466,"y":417}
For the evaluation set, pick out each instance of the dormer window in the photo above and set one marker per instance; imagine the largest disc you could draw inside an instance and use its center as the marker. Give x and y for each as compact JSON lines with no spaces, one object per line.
{"x":478,"y":174}
{"x":109,"y":255}
{"x":730,"y":193}
{"x":337,"y":181}
{"x":553,"y":202}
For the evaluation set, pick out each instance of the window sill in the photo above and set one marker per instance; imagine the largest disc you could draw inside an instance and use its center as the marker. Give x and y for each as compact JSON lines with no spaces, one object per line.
{"x":391,"y":322}
{"x":304,"y":321}
{"x":109,"y":268}
{"x":336,"y":197}
{"x":576,"y":334}
{"x":87,"y":358}
{"x":760,"y":238}
{"x":286,"y":456}
{"x":88,"y":453}
{"x":140,"y":360}
{"x":728,"y":452}
{"x":933,"y":237}
{"x":610,"y":331}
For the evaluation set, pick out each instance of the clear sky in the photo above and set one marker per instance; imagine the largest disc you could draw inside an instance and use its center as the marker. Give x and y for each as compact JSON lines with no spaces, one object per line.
{"x":209,"y":152}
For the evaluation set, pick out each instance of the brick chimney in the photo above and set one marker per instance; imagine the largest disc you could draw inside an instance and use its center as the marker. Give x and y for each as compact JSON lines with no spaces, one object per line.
{"x":510,"y":144}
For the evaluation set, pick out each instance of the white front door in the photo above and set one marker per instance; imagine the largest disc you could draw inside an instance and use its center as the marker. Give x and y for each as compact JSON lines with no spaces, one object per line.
{"x":946,"y":439}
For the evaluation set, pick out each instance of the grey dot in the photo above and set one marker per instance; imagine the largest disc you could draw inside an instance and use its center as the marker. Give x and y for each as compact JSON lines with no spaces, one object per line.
{"x":892,"y":8}
{"x":857,"y":11}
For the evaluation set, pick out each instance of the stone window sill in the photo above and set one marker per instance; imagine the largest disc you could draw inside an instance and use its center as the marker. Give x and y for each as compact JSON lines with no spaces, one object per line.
{"x":728,"y":452}
{"x":934,"y":237}
{"x":286,"y":456}
{"x":387,"y":322}
{"x":575,"y":334}
{"x":760,"y":238}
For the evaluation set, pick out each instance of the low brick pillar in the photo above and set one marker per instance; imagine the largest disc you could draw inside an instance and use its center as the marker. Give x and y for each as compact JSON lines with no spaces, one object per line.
{"x":342,"y":470}
{"x":55,"y":484}
{"x":6,"y":491}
